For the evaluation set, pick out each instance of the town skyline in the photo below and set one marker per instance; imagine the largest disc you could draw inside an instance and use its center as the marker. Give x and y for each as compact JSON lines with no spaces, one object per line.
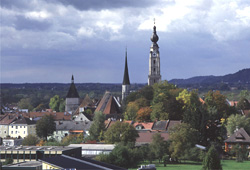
{"x":48,"y":41}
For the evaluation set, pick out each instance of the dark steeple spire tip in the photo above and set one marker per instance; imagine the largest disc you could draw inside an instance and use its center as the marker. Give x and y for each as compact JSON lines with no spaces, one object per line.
{"x":126,"y":76}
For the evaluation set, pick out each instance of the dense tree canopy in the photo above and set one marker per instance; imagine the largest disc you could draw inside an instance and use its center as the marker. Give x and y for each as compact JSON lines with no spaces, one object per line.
{"x":121,"y":132}
{"x":57,"y":104}
{"x":30,"y":140}
{"x":45,"y":126}
{"x":237,"y":121}
{"x":182,"y":137}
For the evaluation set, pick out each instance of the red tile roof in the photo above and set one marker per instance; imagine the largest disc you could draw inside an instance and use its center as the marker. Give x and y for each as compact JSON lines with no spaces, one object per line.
{"x":8,"y":118}
{"x":108,"y":105}
{"x":56,"y":115}
{"x":146,"y":125}
{"x":146,"y":137}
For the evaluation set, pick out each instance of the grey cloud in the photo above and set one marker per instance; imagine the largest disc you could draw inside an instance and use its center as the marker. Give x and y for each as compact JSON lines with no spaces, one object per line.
{"x":19,"y":4}
{"x":31,"y":24}
{"x":104,"y":4}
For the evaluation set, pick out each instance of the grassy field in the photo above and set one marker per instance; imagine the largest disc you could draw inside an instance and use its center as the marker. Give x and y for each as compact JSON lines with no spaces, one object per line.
{"x":226,"y":165}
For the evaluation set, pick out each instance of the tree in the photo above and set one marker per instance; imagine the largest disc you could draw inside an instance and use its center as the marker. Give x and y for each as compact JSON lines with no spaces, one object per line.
{"x":45,"y":126}
{"x":97,"y":126}
{"x":25,"y":104}
{"x":30,"y":140}
{"x":240,"y":152}
{"x":158,"y":112}
{"x":40,"y":107}
{"x":212,"y":160}
{"x":121,"y":132}
{"x":182,"y":137}
{"x":158,"y":146}
{"x":243,"y":104}
{"x":56,"y":102}
{"x":131,"y":111}
{"x":121,"y":155}
{"x":237,"y":121}
{"x":143,"y":114}
{"x":218,"y":101}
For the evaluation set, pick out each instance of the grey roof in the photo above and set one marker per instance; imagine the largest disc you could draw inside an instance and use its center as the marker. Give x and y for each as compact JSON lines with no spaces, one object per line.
{"x":160,"y":125}
{"x":73,"y":125}
{"x":126,"y":76}
{"x":94,"y":146}
{"x":22,"y":165}
{"x":240,"y":136}
{"x":36,"y":148}
{"x":24,"y":120}
{"x":64,"y":161}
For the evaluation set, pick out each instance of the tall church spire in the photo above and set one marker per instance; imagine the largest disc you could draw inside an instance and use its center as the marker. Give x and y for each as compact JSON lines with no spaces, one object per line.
{"x":154,"y":59}
{"x":126,"y":82}
{"x":126,"y":76}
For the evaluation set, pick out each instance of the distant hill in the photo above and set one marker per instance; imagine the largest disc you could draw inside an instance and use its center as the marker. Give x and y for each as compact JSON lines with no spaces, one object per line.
{"x":240,"y":77}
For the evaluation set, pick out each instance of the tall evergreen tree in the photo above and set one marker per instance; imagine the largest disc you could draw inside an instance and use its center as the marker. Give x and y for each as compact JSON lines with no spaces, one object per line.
{"x":97,"y":126}
{"x":212,"y":160}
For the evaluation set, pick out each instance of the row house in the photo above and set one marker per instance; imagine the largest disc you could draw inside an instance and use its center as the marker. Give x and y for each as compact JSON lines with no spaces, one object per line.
{"x":6,"y":120}
{"x":14,"y":126}
{"x":22,"y":128}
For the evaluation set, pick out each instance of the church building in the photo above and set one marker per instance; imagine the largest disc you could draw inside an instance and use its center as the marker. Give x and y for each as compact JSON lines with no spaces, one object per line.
{"x":126,"y":82}
{"x":72,"y":98}
{"x":154,"y":60}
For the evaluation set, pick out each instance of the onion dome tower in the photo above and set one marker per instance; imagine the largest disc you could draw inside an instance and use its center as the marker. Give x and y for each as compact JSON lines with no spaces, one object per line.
{"x":154,"y":60}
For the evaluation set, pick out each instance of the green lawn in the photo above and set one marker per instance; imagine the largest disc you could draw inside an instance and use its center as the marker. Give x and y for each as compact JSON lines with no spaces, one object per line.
{"x":226,"y":165}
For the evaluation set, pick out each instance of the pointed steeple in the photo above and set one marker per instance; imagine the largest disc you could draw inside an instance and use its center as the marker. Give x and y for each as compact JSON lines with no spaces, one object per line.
{"x":72,"y":93}
{"x":126,"y":76}
{"x":72,"y":79}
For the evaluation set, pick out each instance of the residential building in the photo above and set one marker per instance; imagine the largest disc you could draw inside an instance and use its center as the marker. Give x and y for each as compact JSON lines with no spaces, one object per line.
{"x":65,"y":128}
{"x":4,"y":124}
{"x":22,"y":128}
{"x":56,"y":115}
{"x":240,"y":137}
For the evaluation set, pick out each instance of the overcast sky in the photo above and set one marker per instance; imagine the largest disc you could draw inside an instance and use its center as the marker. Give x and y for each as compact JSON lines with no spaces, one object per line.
{"x":49,"y":40}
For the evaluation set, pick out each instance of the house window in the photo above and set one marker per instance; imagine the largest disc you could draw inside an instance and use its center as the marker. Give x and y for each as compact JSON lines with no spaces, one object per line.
{"x":16,"y":127}
{"x":5,"y":131}
{"x":20,"y":126}
{"x":11,"y":132}
{"x":16,"y":132}
{"x":12,"y":126}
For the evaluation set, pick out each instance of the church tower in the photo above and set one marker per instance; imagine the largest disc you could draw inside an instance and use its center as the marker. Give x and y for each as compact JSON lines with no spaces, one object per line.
{"x":126,"y":82}
{"x":72,"y":98}
{"x":154,"y":60}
